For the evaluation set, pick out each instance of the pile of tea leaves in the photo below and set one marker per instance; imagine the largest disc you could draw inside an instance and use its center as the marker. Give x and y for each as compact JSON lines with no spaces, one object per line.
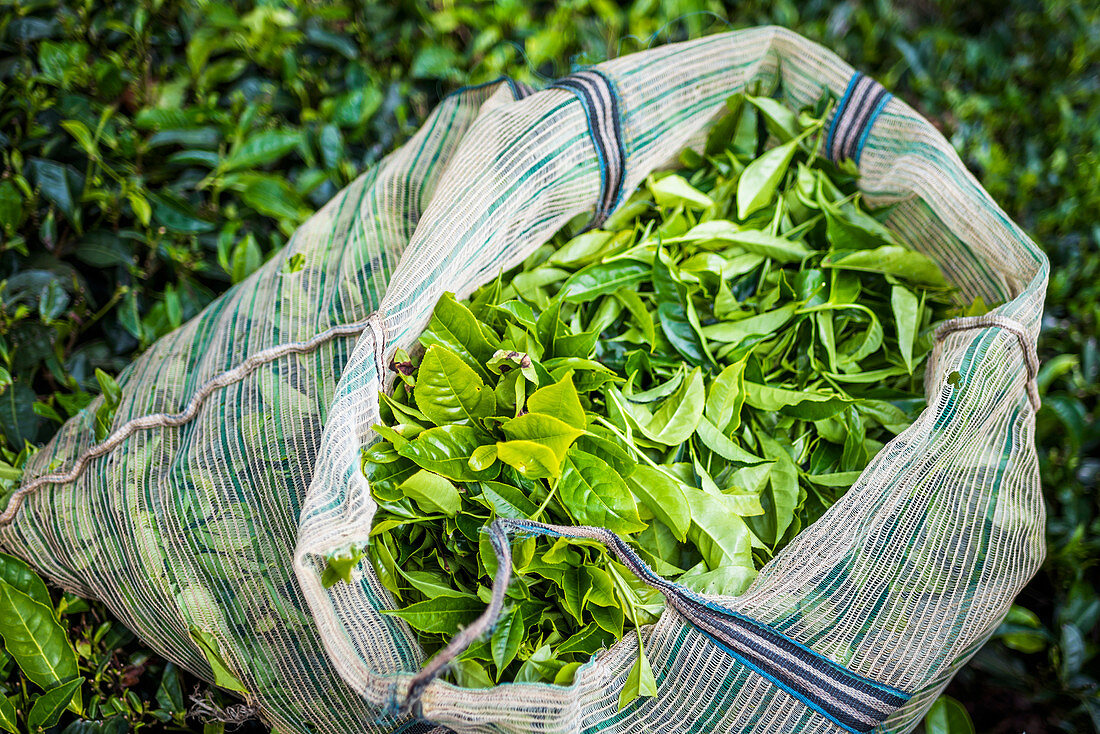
{"x":704,"y":375}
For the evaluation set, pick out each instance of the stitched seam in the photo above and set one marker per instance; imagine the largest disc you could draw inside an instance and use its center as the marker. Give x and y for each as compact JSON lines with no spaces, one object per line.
{"x":190,"y":411}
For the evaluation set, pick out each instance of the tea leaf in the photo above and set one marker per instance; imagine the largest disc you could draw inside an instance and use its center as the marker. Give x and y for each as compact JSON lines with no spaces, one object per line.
{"x":595,"y":495}
{"x":447,"y":390}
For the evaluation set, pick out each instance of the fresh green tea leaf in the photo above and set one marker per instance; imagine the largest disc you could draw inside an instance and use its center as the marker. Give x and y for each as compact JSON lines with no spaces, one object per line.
{"x":447,"y":390}
{"x":445,"y":614}
{"x":594,"y":494}
{"x":432,"y":492}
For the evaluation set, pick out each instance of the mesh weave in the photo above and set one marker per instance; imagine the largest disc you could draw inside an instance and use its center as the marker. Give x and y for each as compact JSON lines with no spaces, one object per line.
{"x":233,"y":462}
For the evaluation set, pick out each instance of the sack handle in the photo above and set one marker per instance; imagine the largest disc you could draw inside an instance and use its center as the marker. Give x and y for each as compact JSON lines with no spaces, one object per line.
{"x":993,"y":321}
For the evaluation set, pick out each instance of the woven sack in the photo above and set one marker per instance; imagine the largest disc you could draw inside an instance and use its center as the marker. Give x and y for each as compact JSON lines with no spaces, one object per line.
{"x":233,"y":464}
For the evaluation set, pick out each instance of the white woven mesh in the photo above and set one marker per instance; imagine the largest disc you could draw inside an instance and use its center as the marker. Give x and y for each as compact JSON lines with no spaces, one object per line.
{"x":218,"y":523}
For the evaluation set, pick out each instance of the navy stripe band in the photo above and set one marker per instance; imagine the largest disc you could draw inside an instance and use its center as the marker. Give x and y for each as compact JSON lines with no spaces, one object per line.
{"x":597,"y":94}
{"x":859,"y":108}
{"x":851,"y":701}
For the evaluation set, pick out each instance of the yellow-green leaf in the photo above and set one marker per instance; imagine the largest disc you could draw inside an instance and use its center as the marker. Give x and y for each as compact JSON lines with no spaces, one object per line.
{"x":211,"y":650}
{"x":640,"y":682}
{"x":758,"y":183}
{"x":541,"y":428}
{"x":559,"y":400}
{"x":533,"y":460}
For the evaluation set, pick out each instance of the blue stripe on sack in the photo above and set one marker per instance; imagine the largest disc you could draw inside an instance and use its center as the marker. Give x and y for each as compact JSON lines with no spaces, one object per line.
{"x":597,"y":94}
{"x":839,"y":109}
{"x":871,"y":123}
{"x":863,"y":101}
{"x":853,"y":702}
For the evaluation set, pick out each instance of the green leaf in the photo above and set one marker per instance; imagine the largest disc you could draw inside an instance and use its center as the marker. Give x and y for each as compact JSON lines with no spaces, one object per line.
{"x":61,"y":184}
{"x":20,"y":576}
{"x":543,"y":429}
{"x":725,"y":396}
{"x":561,"y":401}
{"x":261,"y":148}
{"x":112,"y":393}
{"x":679,"y":415}
{"x":436,"y":62}
{"x":724,"y":581}
{"x":8,"y":714}
{"x":675,"y":314}
{"x":664,"y":498}
{"x":470,"y":674}
{"x":642,"y":317}
{"x":847,"y":228}
{"x":430,"y":584}
{"x":947,"y":716}
{"x":717,"y":442}
{"x":508,"y":501}
{"x":272,"y":196}
{"x":48,"y":707}
{"x":782,"y":496}
{"x":35,"y":639}
{"x":483,"y":457}
{"x":602,"y":279}
{"x":11,"y":207}
{"x":587,"y":641}
{"x":533,"y":460}
{"x":893,"y":260}
{"x":720,"y":535}
{"x":384,"y":564}
{"x":758,"y":182}
{"x":455,"y":327}
{"x":907,"y":313}
{"x":1074,"y":651}
{"x":673,"y":190}
{"x":444,"y":615}
{"x":582,"y":249}
{"x":338,"y":566}
{"x":448,"y":390}
{"x":447,"y":450}
{"x":640,"y":682}
{"x":176,"y":215}
{"x":575,"y":590}
{"x":211,"y":650}
{"x":506,"y":640}
{"x":17,"y":417}
{"x":753,"y":241}
{"x":432,"y":492}
{"x":797,"y":403}
{"x":246,"y":259}
{"x":734,"y":332}
{"x":595,"y":494}
{"x":609,"y":618}
{"x":779,"y":119}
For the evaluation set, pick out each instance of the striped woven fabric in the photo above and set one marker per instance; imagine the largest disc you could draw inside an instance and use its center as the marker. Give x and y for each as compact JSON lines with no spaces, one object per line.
{"x":597,"y":95}
{"x":233,"y":465}
{"x":862,"y":103}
